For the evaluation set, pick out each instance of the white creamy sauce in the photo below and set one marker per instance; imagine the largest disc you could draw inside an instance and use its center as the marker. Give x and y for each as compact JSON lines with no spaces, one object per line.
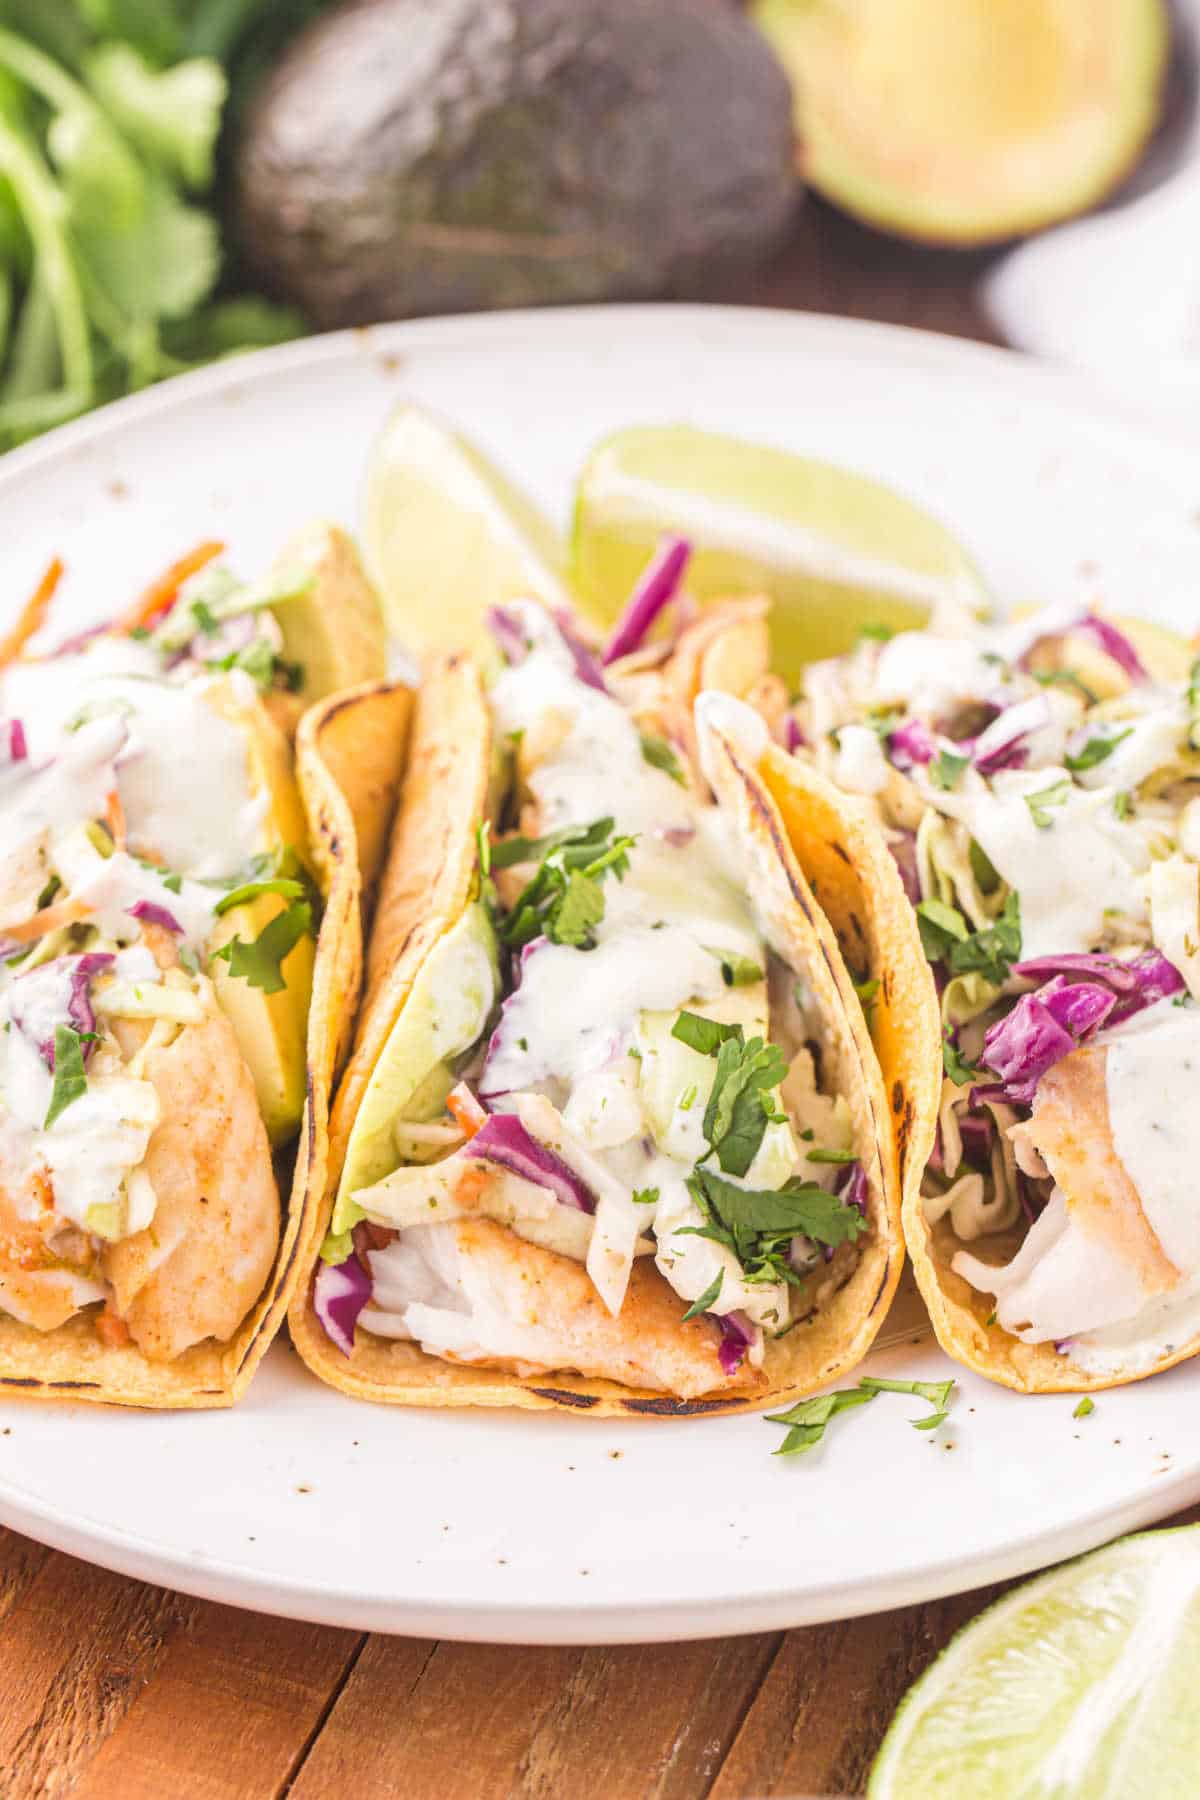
{"x":860,"y":764}
{"x":933,"y":675}
{"x":1143,"y":744}
{"x":1068,"y":870}
{"x":584,"y":1051}
{"x":1153,"y":1085}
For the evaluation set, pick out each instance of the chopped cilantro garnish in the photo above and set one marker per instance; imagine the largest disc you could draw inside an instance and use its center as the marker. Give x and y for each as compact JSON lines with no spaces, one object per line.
{"x":704,"y":1035}
{"x":737,"y":970}
{"x":70,"y":1076}
{"x":261,"y":962}
{"x":688,"y":1098}
{"x":1096,"y":750}
{"x":982,"y":868}
{"x":205,"y":618}
{"x":955,"y":1063}
{"x":1040,"y":803}
{"x":881,"y":633}
{"x":1086,"y":1405}
{"x":706,"y":1299}
{"x":738,"y":1109}
{"x":831,"y":1156}
{"x":946,"y":768}
{"x":660,"y":754}
{"x":1066,"y":678}
{"x":947,"y":937}
{"x":173,"y":883}
{"x":807,"y":1420}
{"x":645,"y":1196}
{"x":563,"y":901}
{"x":250,"y":890}
{"x":739,"y":1216}
{"x":867,"y":991}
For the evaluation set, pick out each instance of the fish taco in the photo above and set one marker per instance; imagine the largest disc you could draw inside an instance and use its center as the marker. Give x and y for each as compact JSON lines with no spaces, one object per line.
{"x":1034,"y":790}
{"x":612,"y":1135}
{"x":169,"y":1016}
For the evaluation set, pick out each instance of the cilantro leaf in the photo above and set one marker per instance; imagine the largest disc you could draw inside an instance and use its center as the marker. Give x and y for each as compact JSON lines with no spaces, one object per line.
{"x":260,"y":962}
{"x":704,"y":1303}
{"x":580,"y":908}
{"x":799,"y":1209}
{"x":645,"y":1196}
{"x":1096,"y":750}
{"x":580,"y":843}
{"x":1086,"y":1405}
{"x":936,"y":1392}
{"x":946,"y":937}
{"x":831,"y":1156}
{"x":70,"y":1076}
{"x":660,"y":754}
{"x":704,"y":1035}
{"x":940,"y":926}
{"x":735,"y":1118}
{"x":250,"y":890}
{"x":563,"y":901}
{"x":867,"y":992}
{"x":946,"y":768}
{"x":955,"y":1063}
{"x":808,"y":1418}
{"x":1039,"y":804}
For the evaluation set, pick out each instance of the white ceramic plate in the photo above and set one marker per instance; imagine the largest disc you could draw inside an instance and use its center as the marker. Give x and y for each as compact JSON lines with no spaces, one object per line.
{"x":544,"y":1528}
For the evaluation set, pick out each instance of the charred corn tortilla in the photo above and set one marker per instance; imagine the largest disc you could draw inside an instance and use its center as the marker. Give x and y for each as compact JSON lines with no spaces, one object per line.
{"x":349,"y":751}
{"x":431,"y":879}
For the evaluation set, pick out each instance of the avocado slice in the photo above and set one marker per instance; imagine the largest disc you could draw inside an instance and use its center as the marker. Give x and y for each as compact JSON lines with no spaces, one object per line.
{"x":333,"y":630}
{"x":413,"y":158}
{"x":271,"y":1029}
{"x":973,"y":121}
{"x":445,"y":1012}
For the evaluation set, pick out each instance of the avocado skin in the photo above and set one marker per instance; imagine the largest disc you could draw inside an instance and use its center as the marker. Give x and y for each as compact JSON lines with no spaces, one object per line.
{"x":415,"y":156}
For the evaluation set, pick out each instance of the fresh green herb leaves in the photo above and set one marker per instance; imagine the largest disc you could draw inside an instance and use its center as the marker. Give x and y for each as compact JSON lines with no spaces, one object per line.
{"x":955,"y":1063}
{"x":737,"y":970}
{"x":250,"y":890}
{"x":936,"y":1392}
{"x":831,"y":1156}
{"x":1123,"y":805}
{"x":867,"y":992}
{"x":1086,"y":1406}
{"x":70,"y":1076}
{"x":645,"y":1196}
{"x":704,"y":1035}
{"x":261,"y":962}
{"x":563,"y":901}
{"x":738,"y":1216}
{"x":738,"y":1109}
{"x":704,"y":1303}
{"x":806,"y":1421}
{"x":946,"y":768}
{"x":661,"y":754}
{"x":1039,"y":804}
{"x":1068,"y":678}
{"x":1095,"y":751}
{"x":881,"y":633}
{"x":947,"y":937}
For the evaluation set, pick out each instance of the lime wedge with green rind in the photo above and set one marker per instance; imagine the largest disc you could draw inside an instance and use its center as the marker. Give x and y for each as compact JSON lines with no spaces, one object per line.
{"x":835,"y":551}
{"x":447,"y":535}
{"x":1080,"y":1685}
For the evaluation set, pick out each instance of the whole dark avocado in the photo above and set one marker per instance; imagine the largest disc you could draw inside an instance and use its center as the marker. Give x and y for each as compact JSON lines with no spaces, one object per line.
{"x":417,"y":156}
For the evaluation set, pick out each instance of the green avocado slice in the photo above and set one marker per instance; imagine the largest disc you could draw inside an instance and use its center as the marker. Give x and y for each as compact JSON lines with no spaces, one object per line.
{"x":333,"y":630}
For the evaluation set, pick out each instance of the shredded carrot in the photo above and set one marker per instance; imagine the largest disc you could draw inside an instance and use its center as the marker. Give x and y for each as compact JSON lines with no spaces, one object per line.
{"x":114,"y":818}
{"x":465,"y":1110}
{"x":59,"y":912}
{"x":161,"y":593}
{"x":33,"y":614}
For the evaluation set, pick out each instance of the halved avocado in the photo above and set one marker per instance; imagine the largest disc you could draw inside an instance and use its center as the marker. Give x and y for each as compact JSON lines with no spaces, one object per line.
{"x":969,"y":121}
{"x":335,"y":630}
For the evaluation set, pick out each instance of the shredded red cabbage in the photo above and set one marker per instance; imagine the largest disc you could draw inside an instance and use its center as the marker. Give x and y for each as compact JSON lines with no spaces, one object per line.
{"x":1156,"y":978}
{"x":910,"y":744}
{"x":851,"y":1188}
{"x":793,"y":738}
{"x":1114,"y":643}
{"x":587,"y":666}
{"x":1122,"y":977}
{"x":904,"y":855}
{"x":148,"y":912}
{"x":340,"y":1291}
{"x":977,"y":1131}
{"x":658,"y":584}
{"x":737,"y":1335}
{"x":509,"y":636}
{"x":1041,"y":1029}
{"x":57,"y":993}
{"x":505,"y":1142}
{"x":1002,"y":745}
{"x":18,"y":750}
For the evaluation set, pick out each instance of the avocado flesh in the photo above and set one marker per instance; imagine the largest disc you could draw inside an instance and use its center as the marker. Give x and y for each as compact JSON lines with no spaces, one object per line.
{"x":413,"y":158}
{"x":444,"y":1013}
{"x":975,"y":121}
{"x":334,"y":630}
{"x":271,"y":1029}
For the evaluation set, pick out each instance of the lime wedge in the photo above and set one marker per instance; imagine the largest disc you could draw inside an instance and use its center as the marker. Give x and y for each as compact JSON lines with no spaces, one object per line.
{"x":833,"y":549}
{"x":447,"y":535}
{"x":1078,"y":1686}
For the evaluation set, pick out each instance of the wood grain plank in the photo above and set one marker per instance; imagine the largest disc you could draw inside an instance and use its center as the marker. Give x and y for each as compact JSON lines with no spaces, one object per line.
{"x":485,"y":1722}
{"x":230,"y":1714}
{"x":829,"y":1696}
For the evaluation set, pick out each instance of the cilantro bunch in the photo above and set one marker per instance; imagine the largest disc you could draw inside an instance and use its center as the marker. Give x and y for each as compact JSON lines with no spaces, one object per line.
{"x":109,"y":253}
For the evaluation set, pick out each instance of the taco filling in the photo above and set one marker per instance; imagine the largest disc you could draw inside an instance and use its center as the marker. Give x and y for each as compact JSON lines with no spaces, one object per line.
{"x":606,"y":1136}
{"x":1039,"y":787}
{"x":150,"y":844}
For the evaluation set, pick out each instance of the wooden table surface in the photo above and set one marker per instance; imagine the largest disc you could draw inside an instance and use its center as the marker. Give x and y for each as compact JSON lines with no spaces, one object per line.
{"x":114,"y":1690}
